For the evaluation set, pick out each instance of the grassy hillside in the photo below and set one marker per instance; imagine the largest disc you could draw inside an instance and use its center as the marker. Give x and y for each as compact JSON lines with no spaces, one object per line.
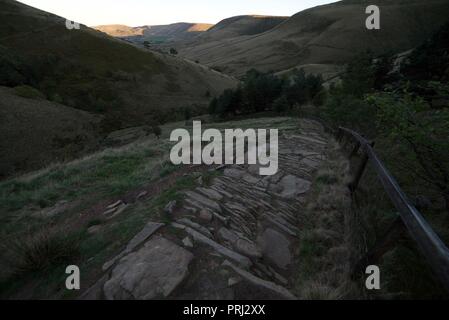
{"x":36,"y":131}
{"x":88,"y":70}
{"x":328,"y":34}
{"x":241,"y":26}
{"x":181,"y":35}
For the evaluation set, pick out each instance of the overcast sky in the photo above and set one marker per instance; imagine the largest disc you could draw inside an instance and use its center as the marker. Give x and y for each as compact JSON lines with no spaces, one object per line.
{"x":153,"y":12}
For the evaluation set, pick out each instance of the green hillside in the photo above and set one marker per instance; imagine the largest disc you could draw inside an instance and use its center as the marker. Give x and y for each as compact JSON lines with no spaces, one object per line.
{"x":87,"y":70}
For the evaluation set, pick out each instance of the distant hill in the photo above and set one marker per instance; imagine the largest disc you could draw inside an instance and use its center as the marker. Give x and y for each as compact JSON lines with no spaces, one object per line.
{"x":119,"y":30}
{"x":179,"y":35}
{"x":156,"y":34}
{"x":328,"y":34}
{"x":241,"y":26}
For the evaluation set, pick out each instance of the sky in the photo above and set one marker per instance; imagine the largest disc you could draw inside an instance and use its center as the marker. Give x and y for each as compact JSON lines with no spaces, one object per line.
{"x":154,"y":12}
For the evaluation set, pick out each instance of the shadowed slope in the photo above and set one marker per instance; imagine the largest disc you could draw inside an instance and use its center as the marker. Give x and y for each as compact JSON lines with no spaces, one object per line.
{"x":328,"y":34}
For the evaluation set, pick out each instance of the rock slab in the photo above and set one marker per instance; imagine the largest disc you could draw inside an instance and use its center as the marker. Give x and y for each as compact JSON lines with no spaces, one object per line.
{"x":275,"y":248}
{"x":152,"y":272}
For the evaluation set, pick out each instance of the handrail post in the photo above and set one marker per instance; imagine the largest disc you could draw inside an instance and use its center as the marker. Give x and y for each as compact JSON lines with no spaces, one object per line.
{"x":353,"y":185}
{"x":339,"y":135}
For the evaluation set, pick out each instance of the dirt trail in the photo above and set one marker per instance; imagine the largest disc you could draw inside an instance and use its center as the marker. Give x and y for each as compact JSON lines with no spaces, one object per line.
{"x":236,"y":238}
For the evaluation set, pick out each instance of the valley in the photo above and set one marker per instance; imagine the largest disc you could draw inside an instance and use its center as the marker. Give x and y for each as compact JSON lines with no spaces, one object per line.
{"x":102,"y":163}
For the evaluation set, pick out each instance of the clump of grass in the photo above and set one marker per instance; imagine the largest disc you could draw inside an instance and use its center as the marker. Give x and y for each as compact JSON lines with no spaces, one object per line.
{"x":42,"y":251}
{"x":319,"y":291}
{"x":167,"y":168}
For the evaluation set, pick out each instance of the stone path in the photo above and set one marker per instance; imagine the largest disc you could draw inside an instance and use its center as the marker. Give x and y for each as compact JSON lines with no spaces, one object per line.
{"x":233,"y":239}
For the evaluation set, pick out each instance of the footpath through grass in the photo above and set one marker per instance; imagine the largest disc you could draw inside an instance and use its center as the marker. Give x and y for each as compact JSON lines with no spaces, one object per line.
{"x":46,"y":218}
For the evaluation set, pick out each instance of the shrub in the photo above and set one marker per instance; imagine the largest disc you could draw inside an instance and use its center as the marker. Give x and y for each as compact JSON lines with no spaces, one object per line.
{"x":167,"y":167}
{"x":28,"y":92}
{"x":410,"y":123}
{"x":281,"y":105}
{"x":319,"y":99}
{"x":157,"y":131}
{"x":57,"y":98}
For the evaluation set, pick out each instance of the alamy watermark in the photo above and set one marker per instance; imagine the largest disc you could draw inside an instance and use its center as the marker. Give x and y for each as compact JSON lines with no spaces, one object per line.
{"x":373,"y":20}
{"x":373,"y":280}
{"x":250,"y":147}
{"x":72,"y":282}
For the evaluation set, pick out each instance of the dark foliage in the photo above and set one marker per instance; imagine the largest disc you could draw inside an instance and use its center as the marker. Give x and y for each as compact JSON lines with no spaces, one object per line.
{"x":430,"y":61}
{"x":261,"y":92}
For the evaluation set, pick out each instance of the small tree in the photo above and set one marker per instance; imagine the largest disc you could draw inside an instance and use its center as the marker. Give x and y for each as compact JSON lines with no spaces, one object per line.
{"x":423,"y":133}
{"x":281,"y":105}
{"x":157,"y":131}
{"x":173,"y":51}
{"x":360,"y":75}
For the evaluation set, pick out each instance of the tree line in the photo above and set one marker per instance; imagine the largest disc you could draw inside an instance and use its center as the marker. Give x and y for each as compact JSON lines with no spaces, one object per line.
{"x":261,"y":92}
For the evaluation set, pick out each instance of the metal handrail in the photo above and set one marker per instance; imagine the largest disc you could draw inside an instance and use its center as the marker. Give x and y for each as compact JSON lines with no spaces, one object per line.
{"x":430,"y":244}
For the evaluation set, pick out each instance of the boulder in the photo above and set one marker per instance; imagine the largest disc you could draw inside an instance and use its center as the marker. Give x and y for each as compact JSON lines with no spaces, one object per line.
{"x":206,"y":215}
{"x":275,"y":248}
{"x":293,"y":186}
{"x":247,"y":248}
{"x":227,"y":235}
{"x":152,"y":272}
